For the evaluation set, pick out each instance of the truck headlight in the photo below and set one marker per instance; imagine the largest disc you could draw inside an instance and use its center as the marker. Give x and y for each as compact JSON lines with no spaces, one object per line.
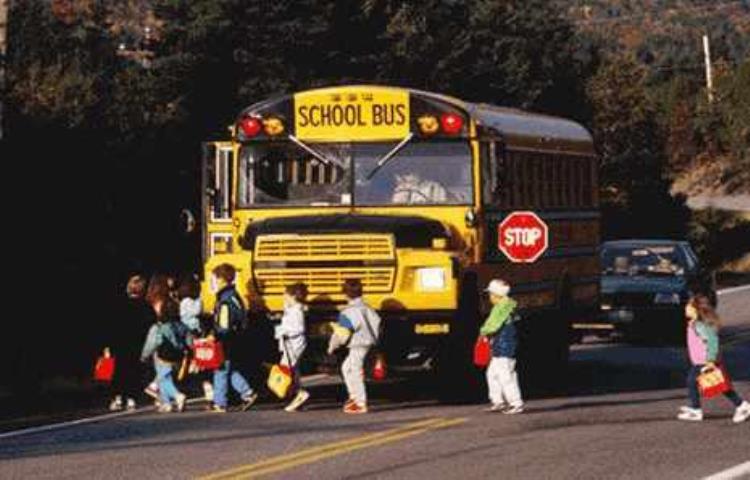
{"x":432,"y":278}
{"x":667,"y":298}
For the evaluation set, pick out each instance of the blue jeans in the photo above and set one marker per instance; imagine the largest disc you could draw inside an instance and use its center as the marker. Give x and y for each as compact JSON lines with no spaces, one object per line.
{"x":222,"y":377}
{"x":694,"y":395}
{"x":164,"y":376}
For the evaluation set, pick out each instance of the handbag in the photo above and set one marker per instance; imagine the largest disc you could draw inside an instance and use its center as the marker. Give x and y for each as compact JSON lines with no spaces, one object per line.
{"x":281,"y":377}
{"x":713,"y":381}
{"x":104,"y":369}
{"x":208,"y":353}
{"x":482,"y":352}
{"x":280,"y":380}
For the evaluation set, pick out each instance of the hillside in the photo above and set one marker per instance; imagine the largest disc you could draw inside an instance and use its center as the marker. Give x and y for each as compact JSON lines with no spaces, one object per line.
{"x":706,"y":144}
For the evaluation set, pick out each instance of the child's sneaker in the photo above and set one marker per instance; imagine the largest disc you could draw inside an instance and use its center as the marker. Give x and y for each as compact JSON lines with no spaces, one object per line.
{"x":691,"y":415}
{"x":496,"y":407}
{"x":514,"y":410}
{"x":130,"y":405}
{"x":298,"y":400}
{"x":164,"y":408}
{"x":152,"y":390}
{"x":248,"y":401}
{"x":180,"y":401}
{"x":115,"y":404}
{"x":217,"y":409}
{"x":741,"y":413}
{"x":355,"y":408}
{"x":208,"y":391}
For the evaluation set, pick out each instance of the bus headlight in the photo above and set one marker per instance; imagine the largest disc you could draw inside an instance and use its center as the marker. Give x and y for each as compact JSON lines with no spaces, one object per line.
{"x":667,"y":299}
{"x":432,"y":278}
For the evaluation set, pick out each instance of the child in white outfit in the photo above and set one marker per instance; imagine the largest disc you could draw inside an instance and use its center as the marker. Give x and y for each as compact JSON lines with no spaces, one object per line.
{"x":292,"y":341}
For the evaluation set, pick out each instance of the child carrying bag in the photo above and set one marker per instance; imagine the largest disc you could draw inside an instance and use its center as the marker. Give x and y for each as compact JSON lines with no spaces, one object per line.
{"x":713,"y":381}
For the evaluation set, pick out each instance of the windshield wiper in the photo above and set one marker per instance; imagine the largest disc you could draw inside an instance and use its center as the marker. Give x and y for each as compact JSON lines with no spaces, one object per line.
{"x":314,"y":153}
{"x":388,"y":156}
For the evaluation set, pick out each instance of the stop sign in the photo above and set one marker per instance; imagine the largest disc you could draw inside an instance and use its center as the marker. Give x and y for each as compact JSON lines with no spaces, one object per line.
{"x":523,"y":237}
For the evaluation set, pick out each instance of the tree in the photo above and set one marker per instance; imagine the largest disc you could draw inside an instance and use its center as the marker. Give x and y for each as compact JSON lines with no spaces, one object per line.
{"x":635,"y":188}
{"x":515,"y":53}
{"x":734,"y":106}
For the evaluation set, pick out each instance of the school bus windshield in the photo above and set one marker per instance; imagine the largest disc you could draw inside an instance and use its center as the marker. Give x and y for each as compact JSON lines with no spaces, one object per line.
{"x":424,"y":173}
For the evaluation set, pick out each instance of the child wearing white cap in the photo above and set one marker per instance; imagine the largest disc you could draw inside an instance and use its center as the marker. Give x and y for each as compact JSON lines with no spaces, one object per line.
{"x":502,"y":380}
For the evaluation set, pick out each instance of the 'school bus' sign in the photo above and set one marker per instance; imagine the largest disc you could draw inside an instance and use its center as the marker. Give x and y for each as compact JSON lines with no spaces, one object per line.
{"x":354,"y":114}
{"x":523,"y":237}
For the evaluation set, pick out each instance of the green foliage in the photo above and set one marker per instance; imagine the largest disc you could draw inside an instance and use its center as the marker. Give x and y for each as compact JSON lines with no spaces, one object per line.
{"x":719,"y":237}
{"x":734,"y":107}
{"x":635,"y":189}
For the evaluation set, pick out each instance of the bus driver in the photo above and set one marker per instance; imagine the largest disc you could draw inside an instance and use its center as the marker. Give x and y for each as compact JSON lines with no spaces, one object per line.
{"x":411,"y":189}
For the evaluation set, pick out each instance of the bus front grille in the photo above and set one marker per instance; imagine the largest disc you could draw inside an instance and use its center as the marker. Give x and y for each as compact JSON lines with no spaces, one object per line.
{"x":291,"y":248}
{"x":324,"y":280}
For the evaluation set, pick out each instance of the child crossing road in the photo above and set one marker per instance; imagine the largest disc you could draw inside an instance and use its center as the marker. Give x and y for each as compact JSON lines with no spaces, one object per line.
{"x":358,"y":328}
{"x":292,"y":340}
{"x":502,"y":379}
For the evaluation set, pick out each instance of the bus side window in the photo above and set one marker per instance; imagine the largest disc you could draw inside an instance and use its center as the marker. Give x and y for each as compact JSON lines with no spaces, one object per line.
{"x":496,"y":171}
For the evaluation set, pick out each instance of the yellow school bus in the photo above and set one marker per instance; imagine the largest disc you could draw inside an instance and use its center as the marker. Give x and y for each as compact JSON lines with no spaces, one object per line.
{"x":405,"y":190}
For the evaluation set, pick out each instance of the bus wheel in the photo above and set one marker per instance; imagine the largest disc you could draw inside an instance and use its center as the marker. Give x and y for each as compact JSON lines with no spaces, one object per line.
{"x":544,"y":350}
{"x":457,"y":379}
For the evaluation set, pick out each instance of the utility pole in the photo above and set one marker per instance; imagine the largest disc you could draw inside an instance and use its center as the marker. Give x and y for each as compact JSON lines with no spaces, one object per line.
{"x":709,"y":72}
{"x":4,"y":5}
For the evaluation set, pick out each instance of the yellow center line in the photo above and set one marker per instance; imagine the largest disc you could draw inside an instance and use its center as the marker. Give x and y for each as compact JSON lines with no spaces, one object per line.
{"x":283,"y":462}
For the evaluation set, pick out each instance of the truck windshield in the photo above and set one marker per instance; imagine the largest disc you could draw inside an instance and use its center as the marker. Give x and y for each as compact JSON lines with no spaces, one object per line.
{"x":664,"y":260}
{"x":424,"y":173}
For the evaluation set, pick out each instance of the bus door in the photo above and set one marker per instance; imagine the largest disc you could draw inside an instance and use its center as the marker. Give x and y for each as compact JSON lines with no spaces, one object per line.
{"x":217,"y":181}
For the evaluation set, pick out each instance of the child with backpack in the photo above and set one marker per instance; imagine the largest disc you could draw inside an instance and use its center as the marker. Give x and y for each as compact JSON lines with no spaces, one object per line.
{"x":358,"y":328}
{"x":230,"y":318}
{"x":703,"y":349}
{"x":502,"y":380}
{"x":292,"y":341}
{"x":166,"y":344}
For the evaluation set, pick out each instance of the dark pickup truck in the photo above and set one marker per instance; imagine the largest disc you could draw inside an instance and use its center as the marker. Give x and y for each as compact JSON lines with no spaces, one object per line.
{"x":645,"y":285}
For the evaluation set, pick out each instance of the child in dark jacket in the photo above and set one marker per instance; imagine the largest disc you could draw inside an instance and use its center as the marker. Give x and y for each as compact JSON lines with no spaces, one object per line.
{"x":229,"y":316}
{"x":125,"y":340}
{"x":502,"y":380}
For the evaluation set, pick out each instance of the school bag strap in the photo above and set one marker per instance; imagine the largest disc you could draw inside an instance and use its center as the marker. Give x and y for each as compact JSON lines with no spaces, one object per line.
{"x":375,"y":338}
{"x":284,"y":343}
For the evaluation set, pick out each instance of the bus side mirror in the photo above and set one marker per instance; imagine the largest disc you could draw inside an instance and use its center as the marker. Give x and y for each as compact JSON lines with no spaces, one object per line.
{"x":470,"y":218}
{"x":188,"y":221}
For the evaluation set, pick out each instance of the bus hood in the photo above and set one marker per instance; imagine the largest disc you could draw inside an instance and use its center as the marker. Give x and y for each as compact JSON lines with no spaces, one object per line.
{"x":408,"y":231}
{"x":644,"y":284}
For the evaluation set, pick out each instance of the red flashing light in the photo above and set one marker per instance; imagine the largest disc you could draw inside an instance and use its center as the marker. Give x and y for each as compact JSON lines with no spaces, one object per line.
{"x":451,"y":123}
{"x":250,"y":126}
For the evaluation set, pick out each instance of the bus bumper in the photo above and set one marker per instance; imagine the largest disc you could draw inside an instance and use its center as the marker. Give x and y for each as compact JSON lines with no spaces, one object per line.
{"x":411,"y":340}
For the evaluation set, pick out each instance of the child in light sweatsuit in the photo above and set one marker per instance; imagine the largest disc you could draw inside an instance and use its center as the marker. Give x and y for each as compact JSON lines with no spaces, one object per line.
{"x":502,"y":380}
{"x":191,"y":309}
{"x":703,"y":349}
{"x":358,"y":328}
{"x":292,"y":341}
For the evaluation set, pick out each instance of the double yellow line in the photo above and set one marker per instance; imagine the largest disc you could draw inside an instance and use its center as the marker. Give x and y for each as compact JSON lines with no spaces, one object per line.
{"x":314,"y":454}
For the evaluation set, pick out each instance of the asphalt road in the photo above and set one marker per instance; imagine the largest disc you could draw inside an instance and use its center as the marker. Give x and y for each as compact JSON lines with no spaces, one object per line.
{"x":617,"y":421}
